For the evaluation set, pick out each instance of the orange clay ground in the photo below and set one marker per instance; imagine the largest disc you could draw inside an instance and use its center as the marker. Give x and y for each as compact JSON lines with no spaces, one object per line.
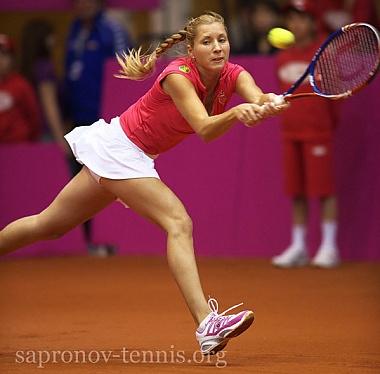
{"x":126,"y":315}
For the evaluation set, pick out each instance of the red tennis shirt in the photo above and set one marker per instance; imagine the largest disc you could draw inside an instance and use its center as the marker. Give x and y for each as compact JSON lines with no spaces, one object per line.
{"x":154,"y":123}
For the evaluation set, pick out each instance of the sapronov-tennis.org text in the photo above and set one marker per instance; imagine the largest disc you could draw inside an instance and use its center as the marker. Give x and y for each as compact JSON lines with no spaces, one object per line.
{"x":44,"y":358}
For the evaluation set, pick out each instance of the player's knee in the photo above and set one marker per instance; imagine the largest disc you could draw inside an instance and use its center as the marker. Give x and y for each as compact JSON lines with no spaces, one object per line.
{"x":54,"y":234}
{"x":49,"y":231}
{"x":181,"y":224}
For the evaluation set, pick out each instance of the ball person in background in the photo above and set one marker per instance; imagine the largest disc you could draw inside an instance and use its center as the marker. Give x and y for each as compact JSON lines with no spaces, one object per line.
{"x":20,"y":120}
{"x":307,"y":130}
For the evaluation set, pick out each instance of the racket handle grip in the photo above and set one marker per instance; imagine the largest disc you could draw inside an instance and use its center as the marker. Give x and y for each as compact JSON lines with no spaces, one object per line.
{"x":279,"y":100}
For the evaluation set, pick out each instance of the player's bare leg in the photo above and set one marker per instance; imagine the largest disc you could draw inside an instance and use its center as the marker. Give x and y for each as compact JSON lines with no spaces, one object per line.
{"x":154,"y":201}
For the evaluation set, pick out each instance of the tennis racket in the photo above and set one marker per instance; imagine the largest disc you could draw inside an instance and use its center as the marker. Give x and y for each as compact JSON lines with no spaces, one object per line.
{"x":344,"y":64}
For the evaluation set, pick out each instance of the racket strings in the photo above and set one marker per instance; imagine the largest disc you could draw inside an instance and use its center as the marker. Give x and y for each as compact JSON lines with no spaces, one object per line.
{"x":348,"y":61}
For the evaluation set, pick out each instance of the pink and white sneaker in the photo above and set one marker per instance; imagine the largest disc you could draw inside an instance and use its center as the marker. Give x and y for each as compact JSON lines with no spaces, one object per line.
{"x":216,"y":330}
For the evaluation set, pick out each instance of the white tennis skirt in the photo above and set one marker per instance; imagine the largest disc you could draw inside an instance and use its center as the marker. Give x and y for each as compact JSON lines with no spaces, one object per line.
{"x":106,"y":150}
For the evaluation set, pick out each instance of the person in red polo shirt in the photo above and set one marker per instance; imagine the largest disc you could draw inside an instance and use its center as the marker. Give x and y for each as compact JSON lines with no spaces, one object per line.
{"x":307,"y":129}
{"x":20,"y":119}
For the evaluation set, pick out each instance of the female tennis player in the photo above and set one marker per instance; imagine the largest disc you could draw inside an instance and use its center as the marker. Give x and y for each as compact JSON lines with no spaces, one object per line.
{"x":190,"y":96}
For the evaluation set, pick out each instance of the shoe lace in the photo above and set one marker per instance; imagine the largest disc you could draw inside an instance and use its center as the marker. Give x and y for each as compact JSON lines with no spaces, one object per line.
{"x":214,"y":306}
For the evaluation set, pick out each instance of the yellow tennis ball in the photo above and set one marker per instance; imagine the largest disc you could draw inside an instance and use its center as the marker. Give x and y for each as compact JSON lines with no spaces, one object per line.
{"x":281,"y":38}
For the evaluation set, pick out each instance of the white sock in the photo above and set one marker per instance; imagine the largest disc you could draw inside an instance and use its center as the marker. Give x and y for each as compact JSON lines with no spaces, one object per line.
{"x":299,"y":236}
{"x":329,"y":231}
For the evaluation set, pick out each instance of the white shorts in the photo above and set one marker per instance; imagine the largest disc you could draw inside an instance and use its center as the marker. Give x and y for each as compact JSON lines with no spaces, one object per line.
{"x":107,"y":152}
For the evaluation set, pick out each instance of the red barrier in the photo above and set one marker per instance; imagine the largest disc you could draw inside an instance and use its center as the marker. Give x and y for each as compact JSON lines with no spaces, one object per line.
{"x":232,"y":187}
{"x":31,"y":176}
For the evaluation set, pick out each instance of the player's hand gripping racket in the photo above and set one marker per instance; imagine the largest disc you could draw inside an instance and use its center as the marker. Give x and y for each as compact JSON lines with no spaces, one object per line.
{"x":345,"y":63}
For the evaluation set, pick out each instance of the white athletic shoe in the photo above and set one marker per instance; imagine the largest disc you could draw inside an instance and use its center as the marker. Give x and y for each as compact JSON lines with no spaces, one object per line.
{"x":216,"y":330}
{"x":326,"y":258}
{"x":291,"y":257}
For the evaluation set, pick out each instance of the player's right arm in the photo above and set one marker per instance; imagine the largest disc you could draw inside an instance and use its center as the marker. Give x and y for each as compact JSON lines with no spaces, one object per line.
{"x":208,"y":127}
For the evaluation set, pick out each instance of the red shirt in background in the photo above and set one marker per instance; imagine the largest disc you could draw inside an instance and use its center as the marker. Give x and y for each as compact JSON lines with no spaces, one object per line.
{"x":20,"y":119}
{"x":307,"y":118}
{"x":334,"y":14}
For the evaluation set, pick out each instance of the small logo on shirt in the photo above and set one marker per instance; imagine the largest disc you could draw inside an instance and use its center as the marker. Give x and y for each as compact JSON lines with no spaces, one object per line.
{"x":319,"y":151}
{"x":291,"y":71}
{"x":222,"y":98}
{"x":184,"y":69}
{"x":6,"y":101}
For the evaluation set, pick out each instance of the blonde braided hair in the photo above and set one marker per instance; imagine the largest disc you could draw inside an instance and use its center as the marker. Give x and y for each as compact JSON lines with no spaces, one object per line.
{"x":137,"y":66}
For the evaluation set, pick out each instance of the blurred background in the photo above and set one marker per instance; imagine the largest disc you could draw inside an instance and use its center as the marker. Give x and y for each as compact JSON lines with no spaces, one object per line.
{"x":250,"y":202}
{"x":147,"y":21}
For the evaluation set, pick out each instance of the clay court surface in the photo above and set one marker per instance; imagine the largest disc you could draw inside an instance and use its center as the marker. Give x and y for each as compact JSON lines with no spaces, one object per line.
{"x":125,"y":315}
